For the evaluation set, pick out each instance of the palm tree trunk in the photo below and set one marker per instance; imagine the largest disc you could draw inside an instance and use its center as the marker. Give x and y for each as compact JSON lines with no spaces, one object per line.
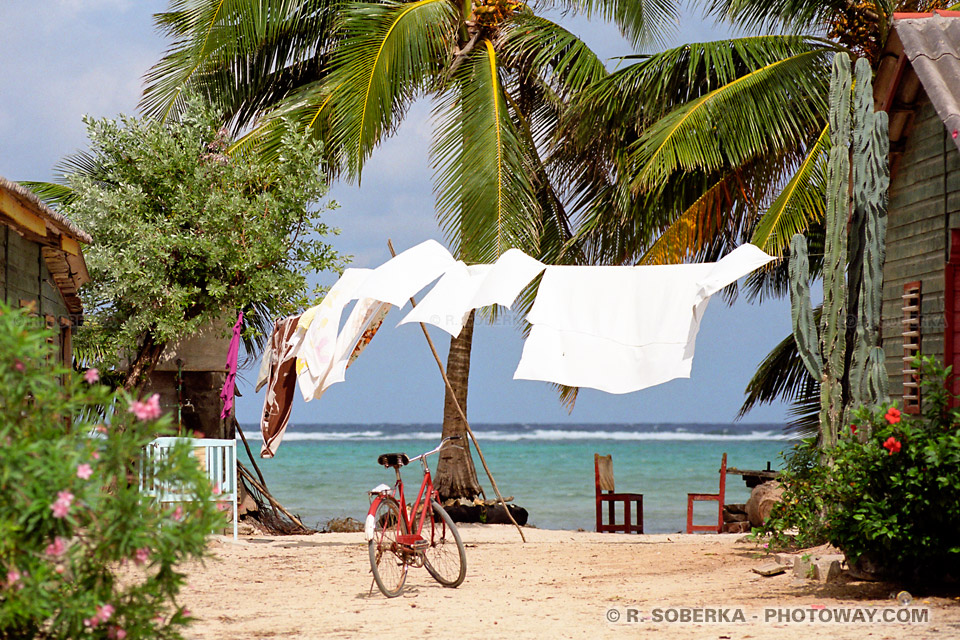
{"x":456,"y":476}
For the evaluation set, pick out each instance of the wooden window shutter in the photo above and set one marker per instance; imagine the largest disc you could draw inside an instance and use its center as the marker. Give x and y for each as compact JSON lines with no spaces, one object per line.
{"x":912,"y":300}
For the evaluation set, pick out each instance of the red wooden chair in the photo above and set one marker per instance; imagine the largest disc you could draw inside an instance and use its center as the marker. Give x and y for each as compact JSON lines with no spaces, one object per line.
{"x":707,"y":497}
{"x":603,"y":468}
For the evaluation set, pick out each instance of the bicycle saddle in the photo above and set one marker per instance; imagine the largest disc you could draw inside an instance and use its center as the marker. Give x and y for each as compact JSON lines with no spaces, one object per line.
{"x":393,"y":459}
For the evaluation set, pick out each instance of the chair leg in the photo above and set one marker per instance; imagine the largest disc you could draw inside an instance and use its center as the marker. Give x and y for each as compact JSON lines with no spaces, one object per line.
{"x":719,"y":516}
{"x":612,"y":513}
{"x":689,"y":514}
{"x":599,"y":516}
{"x":626,"y":516}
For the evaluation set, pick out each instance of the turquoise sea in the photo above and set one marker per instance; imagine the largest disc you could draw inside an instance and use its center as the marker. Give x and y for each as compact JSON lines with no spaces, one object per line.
{"x":324,"y":471}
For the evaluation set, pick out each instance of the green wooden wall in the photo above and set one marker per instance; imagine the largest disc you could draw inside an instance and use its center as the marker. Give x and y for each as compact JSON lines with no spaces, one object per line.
{"x":24,"y":275}
{"x":924,"y":205}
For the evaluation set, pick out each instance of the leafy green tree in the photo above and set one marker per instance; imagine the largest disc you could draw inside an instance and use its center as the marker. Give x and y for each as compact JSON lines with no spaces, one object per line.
{"x":185,"y":234}
{"x":82,"y":553}
{"x":499,"y":73}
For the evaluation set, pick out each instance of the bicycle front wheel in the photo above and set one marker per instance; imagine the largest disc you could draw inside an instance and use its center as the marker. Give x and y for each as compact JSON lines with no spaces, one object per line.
{"x":387,"y":561}
{"x":445,"y":559}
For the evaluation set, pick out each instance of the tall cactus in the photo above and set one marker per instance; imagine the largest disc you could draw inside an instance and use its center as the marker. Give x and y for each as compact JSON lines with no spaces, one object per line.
{"x":871,"y":180}
{"x":824,"y":353}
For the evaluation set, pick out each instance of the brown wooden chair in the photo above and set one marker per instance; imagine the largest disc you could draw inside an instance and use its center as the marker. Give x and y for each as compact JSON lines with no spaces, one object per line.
{"x":707,"y":497}
{"x":603,"y":467}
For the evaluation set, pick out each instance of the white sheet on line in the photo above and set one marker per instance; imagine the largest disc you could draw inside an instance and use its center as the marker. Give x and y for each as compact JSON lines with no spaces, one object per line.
{"x":463,"y":288}
{"x":318,"y":333}
{"x":621,"y":329}
{"x":324,"y":349}
{"x":398,"y":279}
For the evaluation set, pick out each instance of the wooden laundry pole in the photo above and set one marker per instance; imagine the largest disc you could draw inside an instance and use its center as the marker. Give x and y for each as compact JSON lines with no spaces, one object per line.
{"x":456,"y":403}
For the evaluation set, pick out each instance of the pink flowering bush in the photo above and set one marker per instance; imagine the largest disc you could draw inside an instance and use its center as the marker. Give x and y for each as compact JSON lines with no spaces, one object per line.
{"x":82,"y":553}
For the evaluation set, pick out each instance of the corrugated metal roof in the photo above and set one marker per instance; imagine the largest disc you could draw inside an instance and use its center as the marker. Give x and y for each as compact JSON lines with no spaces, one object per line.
{"x":931,"y":44}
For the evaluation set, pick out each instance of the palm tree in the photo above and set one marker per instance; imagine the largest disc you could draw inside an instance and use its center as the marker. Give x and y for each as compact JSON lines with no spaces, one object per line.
{"x":728,"y":141}
{"x":500,"y":77}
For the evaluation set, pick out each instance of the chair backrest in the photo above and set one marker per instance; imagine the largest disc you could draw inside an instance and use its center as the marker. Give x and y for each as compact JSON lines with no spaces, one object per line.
{"x":723,"y":477}
{"x":603,"y":467}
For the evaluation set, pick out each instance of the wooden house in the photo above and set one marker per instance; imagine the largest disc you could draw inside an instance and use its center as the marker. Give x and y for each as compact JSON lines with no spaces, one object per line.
{"x":41,"y":262}
{"x":918,"y":85}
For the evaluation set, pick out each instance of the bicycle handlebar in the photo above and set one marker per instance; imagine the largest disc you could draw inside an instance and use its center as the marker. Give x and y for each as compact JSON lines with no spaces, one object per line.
{"x":423,"y":456}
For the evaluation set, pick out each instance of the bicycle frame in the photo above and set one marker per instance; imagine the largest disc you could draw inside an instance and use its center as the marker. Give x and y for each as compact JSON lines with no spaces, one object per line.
{"x":421,"y":509}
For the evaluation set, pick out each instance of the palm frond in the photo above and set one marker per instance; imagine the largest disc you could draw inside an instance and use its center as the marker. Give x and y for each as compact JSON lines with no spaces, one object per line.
{"x":642,"y":22}
{"x":653,"y":85}
{"x":792,"y":15}
{"x":51,"y":193}
{"x":774,"y":280}
{"x":485,"y":201}
{"x":782,"y":377}
{"x":391,"y":52}
{"x":799,"y":204}
{"x":309,"y":110}
{"x":59,"y":192}
{"x":546,"y":50}
{"x":767,"y":110}
{"x":697,"y":226}
{"x":240,"y":56}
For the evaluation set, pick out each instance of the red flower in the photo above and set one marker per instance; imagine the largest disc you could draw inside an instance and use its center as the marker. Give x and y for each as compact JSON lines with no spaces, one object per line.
{"x":893,"y":415}
{"x":892,"y":445}
{"x":853,"y":429}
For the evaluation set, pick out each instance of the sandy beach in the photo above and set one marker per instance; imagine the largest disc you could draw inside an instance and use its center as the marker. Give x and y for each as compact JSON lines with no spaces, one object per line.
{"x":560,"y":584}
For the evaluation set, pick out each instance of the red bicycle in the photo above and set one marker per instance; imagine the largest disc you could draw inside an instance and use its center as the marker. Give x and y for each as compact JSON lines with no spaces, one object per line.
{"x":423,"y":535}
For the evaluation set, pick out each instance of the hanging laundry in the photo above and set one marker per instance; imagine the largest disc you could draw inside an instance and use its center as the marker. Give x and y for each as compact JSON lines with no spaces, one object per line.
{"x":361,"y":325}
{"x":398,"y":279}
{"x":463,"y":288}
{"x":617,"y":329}
{"x":229,"y":385}
{"x":621,"y":329}
{"x":318,"y":329}
{"x":279,"y":371}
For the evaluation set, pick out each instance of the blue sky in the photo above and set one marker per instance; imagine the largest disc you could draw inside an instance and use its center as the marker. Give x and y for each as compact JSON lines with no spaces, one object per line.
{"x":62,"y":59}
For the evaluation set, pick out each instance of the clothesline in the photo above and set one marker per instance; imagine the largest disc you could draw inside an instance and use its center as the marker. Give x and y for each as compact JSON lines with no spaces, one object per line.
{"x":616,"y":329}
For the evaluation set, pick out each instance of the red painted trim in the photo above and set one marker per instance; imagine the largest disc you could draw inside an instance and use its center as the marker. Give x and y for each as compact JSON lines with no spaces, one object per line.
{"x":950,"y":358}
{"x":915,"y":16}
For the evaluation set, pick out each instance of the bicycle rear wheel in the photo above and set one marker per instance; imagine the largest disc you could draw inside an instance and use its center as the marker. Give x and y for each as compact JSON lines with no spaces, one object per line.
{"x":445,"y":559}
{"x":387,"y":562}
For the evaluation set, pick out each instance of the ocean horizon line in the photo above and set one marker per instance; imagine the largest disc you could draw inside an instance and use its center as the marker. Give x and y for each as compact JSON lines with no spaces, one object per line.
{"x":543,"y":432}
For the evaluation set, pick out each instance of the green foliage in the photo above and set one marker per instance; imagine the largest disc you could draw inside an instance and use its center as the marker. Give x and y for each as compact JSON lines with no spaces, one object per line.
{"x":184,"y":234}
{"x":894,"y":490}
{"x":892,"y":494}
{"x":81,"y":553}
{"x":796,"y":522}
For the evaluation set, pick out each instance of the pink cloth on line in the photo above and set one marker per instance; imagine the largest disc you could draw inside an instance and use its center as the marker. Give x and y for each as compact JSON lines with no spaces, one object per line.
{"x":229,"y":385}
